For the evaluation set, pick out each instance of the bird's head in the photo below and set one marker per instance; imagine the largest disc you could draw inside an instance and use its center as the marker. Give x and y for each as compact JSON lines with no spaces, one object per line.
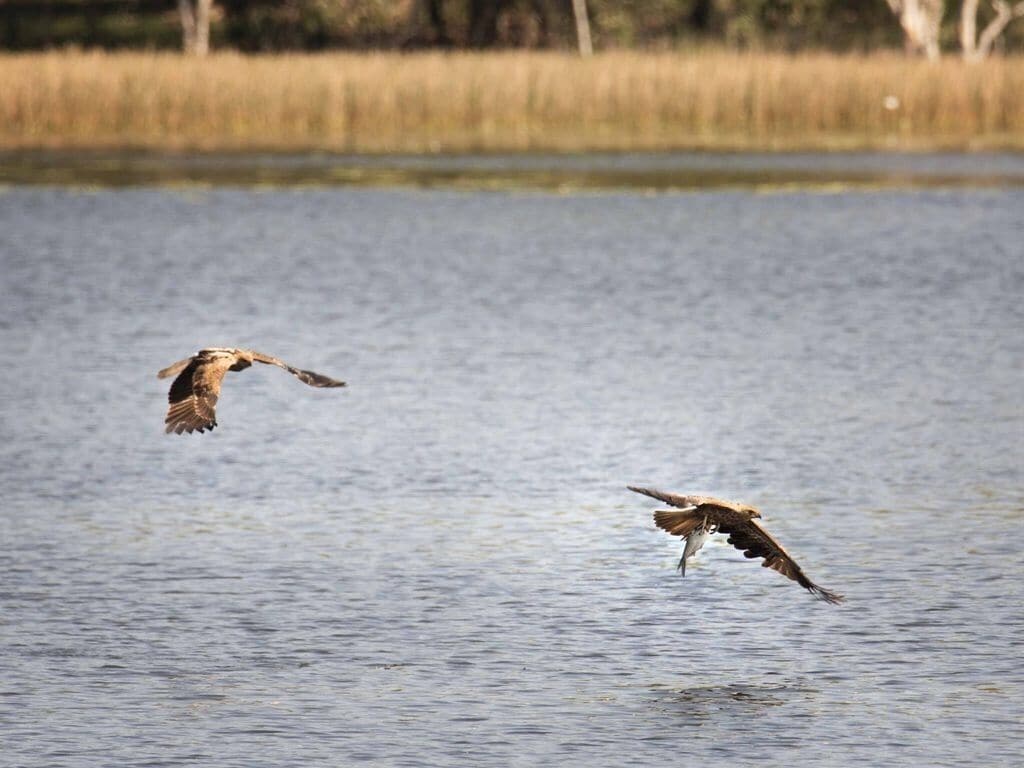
{"x":243,"y":359}
{"x":753,"y":512}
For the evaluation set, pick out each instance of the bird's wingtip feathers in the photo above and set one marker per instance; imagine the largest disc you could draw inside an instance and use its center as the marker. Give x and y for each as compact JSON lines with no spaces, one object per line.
{"x":833,"y":598}
{"x":316,"y":379}
{"x":645,"y":491}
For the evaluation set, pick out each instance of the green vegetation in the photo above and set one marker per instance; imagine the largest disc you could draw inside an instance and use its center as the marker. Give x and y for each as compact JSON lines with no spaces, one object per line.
{"x":515,"y":101}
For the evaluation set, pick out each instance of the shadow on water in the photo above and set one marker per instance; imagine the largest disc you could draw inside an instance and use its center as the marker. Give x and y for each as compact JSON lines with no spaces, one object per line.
{"x":713,"y":704}
{"x":654,"y":172}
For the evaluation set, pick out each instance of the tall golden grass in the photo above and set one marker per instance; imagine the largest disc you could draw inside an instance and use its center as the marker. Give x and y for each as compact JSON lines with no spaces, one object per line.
{"x":390,"y":102}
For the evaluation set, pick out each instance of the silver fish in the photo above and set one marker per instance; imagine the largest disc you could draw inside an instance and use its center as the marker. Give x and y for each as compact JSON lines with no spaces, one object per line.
{"x":694,"y":542}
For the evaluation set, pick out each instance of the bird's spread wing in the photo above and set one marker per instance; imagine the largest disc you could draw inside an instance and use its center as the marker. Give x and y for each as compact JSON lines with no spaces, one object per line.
{"x":683,"y":502}
{"x":193,"y":395}
{"x":755,"y":541}
{"x":306,"y":377}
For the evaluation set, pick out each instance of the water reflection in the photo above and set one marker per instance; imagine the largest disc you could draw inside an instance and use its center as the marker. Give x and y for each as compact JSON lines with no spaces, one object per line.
{"x":693,"y":707}
{"x":654,"y":171}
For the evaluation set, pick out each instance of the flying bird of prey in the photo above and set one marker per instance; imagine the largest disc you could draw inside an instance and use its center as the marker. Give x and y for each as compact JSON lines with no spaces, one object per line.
{"x":194,"y":393}
{"x":697,"y":517}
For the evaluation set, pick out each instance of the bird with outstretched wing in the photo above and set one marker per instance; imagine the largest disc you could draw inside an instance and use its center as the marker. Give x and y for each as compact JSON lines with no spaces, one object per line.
{"x":696,"y":517}
{"x":194,"y":393}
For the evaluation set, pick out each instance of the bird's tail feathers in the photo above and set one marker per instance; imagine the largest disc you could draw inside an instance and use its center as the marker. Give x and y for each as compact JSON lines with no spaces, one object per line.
{"x":678,"y":522}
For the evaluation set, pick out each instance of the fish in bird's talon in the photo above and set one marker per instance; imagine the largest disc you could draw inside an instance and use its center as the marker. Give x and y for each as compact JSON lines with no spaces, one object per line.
{"x":694,"y":543}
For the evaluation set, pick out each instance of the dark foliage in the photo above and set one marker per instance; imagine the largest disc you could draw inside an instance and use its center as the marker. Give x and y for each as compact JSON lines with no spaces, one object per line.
{"x":274,"y":25}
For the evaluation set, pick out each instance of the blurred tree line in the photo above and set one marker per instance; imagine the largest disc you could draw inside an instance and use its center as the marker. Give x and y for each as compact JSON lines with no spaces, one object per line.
{"x":280,"y":25}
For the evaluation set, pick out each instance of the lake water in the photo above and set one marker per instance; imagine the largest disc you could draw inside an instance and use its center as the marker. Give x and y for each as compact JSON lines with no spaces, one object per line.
{"x":440,"y":564}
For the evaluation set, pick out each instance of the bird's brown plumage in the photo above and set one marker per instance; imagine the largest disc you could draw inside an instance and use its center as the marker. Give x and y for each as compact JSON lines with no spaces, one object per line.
{"x":737,"y":521}
{"x":194,"y":393}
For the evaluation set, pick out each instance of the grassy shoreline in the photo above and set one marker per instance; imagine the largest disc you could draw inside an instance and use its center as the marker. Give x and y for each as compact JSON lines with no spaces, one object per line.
{"x":508,"y":102}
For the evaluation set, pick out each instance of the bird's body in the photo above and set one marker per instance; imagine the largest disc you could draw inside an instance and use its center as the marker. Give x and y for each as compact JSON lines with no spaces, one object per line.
{"x":194,"y":393}
{"x":697,"y":517}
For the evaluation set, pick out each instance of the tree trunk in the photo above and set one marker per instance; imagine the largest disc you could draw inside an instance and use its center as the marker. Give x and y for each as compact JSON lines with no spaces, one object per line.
{"x":920,"y":20}
{"x":202,"y":27}
{"x":579,"y":10}
{"x":969,"y":29}
{"x":195,"y":26}
{"x":977,"y":48}
{"x":188,"y":26}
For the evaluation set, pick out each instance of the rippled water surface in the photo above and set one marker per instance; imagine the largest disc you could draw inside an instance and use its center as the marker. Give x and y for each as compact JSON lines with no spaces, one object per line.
{"x":440,"y":564}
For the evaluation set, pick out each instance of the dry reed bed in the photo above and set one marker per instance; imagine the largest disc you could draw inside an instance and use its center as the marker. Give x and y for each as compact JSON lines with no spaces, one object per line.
{"x":507,"y":101}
